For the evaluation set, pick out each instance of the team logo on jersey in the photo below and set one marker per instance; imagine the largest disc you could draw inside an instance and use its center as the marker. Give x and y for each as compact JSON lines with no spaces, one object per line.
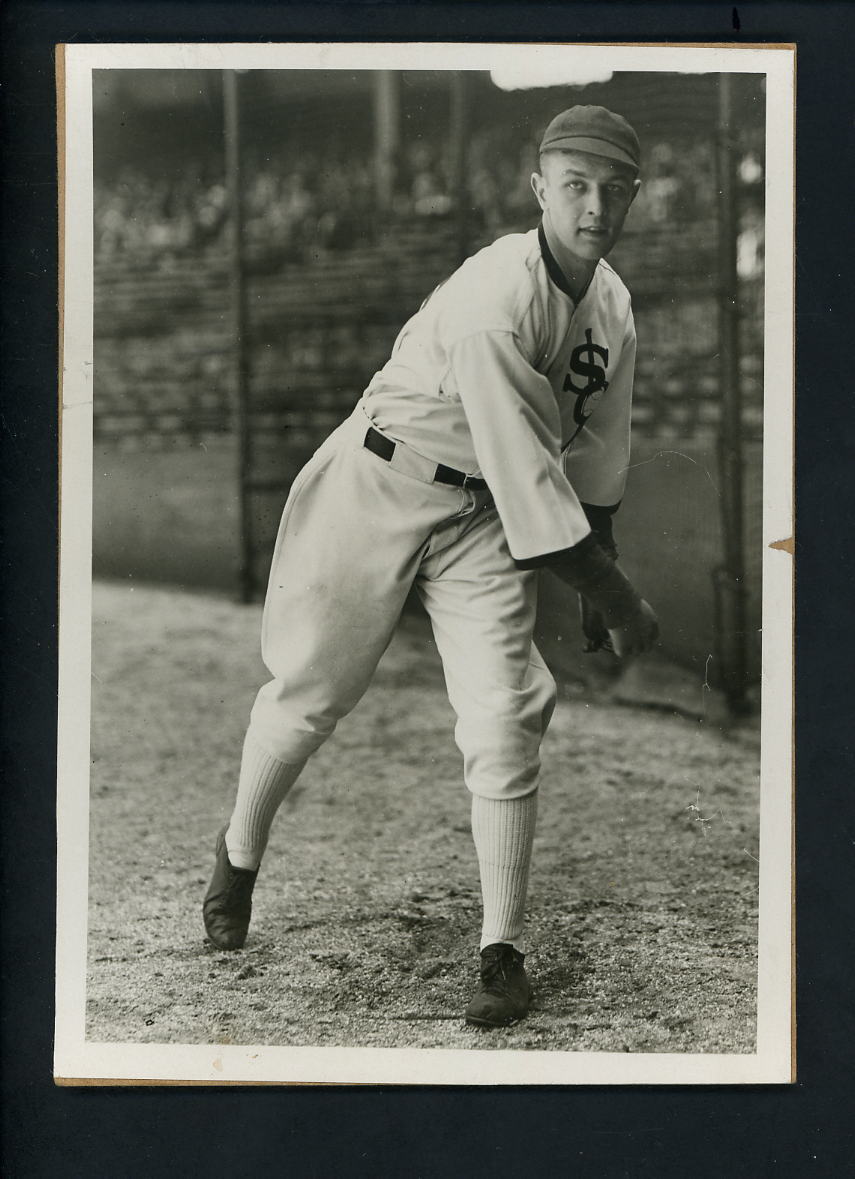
{"x":584,"y":364}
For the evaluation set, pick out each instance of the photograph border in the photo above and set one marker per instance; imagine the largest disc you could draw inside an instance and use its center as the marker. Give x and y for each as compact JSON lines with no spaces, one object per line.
{"x":78,"y":1061}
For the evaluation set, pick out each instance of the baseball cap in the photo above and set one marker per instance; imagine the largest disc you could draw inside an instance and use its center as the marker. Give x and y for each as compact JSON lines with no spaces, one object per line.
{"x":596,"y":130}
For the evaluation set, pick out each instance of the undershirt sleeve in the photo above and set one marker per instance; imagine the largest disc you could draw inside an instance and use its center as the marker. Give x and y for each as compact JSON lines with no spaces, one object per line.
{"x":516,"y":429}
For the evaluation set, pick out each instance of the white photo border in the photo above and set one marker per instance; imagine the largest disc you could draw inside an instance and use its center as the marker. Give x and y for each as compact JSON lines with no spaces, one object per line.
{"x":79,"y":1061}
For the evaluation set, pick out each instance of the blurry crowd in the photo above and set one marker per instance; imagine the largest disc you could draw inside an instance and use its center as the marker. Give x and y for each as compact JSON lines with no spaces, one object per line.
{"x":300,"y":202}
{"x":144,"y":214}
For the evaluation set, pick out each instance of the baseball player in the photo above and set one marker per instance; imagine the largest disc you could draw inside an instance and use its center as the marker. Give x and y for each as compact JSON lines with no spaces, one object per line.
{"x":495,"y":441}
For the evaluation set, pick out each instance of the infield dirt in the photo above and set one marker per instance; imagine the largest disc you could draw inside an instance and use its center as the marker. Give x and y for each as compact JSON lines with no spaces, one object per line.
{"x":643,"y":899}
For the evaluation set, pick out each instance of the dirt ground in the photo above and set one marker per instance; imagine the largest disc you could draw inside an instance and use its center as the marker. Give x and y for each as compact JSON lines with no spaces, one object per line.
{"x":643,"y":898}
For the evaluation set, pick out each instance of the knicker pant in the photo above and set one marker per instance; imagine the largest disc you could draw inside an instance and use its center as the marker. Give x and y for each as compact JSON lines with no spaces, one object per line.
{"x":356,"y":534}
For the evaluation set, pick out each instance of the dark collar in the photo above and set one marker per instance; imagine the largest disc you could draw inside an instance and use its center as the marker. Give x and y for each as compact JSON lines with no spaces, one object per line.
{"x":554,"y":270}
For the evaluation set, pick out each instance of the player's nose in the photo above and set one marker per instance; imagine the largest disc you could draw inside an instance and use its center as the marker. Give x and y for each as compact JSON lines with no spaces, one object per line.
{"x":596,"y":201}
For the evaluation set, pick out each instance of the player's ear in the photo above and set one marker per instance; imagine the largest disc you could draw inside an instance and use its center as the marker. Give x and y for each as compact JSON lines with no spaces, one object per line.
{"x":636,"y":185}
{"x":538,"y":184}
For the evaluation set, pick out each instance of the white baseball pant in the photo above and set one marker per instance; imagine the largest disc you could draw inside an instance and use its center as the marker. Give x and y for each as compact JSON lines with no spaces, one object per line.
{"x":357,"y":533}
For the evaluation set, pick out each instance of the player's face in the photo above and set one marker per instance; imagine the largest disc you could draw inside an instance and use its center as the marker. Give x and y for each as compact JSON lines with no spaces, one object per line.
{"x":585,"y":200}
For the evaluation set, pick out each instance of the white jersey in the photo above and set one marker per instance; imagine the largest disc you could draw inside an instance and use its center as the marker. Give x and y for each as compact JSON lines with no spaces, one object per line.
{"x":500,"y":374}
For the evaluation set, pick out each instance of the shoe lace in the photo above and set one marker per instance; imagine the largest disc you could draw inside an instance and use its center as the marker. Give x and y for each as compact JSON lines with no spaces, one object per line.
{"x":495,"y":963}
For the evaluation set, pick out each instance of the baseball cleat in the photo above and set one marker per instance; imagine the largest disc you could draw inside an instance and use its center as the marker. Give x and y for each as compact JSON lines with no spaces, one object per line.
{"x":505,"y":992}
{"x":228,"y":902}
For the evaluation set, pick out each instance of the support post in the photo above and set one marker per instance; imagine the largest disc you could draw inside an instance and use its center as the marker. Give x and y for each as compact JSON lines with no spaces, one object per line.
{"x":387,"y":122}
{"x":730,"y":578}
{"x":458,"y":133}
{"x":240,"y":348}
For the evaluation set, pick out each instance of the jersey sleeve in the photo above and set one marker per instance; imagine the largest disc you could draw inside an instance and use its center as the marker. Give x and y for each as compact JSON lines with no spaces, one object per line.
{"x":516,"y":429}
{"x":596,"y":463}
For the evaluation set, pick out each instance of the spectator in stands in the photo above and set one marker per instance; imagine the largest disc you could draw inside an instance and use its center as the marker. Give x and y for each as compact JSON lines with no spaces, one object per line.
{"x":304,"y":199}
{"x":429,"y":189}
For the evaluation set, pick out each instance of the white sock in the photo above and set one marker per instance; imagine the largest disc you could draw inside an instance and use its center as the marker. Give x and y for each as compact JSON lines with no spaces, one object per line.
{"x":503,"y":830}
{"x":264,"y":782}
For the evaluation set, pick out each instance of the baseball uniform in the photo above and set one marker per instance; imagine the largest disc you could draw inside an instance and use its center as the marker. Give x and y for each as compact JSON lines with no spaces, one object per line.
{"x":493,"y":438}
{"x":501,"y":377}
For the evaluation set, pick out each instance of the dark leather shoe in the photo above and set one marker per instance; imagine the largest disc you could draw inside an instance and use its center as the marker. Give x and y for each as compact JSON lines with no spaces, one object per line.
{"x":228,"y":902}
{"x":505,"y":991}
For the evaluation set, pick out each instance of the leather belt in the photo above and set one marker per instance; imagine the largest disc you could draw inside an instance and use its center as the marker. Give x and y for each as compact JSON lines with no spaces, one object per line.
{"x":384,"y":448}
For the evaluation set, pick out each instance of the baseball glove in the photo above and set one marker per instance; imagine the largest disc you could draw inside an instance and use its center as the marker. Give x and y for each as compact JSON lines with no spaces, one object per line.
{"x":594,"y":629}
{"x":597,"y":638}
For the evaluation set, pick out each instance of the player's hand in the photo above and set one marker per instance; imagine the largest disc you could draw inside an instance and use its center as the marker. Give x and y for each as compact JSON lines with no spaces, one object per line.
{"x":597,"y":638}
{"x":636,"y":636}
